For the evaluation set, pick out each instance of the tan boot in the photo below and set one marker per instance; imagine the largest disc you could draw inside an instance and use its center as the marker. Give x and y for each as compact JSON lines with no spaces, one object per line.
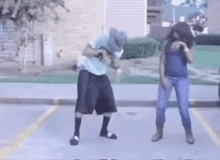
{"x":158,"y":135}
{"x":189,"y":137}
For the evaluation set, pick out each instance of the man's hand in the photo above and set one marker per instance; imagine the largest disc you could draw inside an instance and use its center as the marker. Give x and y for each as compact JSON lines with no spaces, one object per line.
{"x":118,"y":72}
{"x":118,"y":75}
{"x":115,"y":63}
{"x":105,"y":57}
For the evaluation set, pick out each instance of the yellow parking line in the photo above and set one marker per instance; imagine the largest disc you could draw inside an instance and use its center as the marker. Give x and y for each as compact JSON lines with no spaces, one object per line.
{"x":15,"y":144}
{"x":214,"y":136}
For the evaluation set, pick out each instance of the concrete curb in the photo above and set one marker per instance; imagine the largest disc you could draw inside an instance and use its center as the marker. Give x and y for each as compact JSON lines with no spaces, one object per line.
{"x":121,"y":103}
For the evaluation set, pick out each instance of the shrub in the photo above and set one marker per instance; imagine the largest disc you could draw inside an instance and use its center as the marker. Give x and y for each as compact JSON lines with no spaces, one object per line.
{"x":140,"y":48}
{"x":208,"y":39}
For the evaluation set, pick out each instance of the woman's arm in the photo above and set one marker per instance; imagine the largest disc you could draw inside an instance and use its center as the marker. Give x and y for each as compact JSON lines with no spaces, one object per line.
{"x":162,"y":62}
{"x":162,"y":68}
{"x":189,"y":54}
{"x":162,"y":65}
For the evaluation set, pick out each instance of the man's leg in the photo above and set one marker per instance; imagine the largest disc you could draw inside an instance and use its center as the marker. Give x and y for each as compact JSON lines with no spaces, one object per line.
{"x":78,"y":119}
{"x":106,"y":106}
{"x":85,"y":96}
{"x":104,"y":131}
{"x":75,"y":139}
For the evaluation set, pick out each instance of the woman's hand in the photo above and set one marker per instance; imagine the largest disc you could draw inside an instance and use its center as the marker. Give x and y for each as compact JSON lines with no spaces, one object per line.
{"x":178,"y":44}
{"x":165,"y":82}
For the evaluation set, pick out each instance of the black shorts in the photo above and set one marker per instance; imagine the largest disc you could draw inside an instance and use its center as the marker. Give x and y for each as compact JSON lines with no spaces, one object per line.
{"x":94,"y":92}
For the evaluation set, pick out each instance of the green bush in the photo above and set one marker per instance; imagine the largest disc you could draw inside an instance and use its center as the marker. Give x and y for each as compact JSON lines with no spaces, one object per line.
{"x":208,"y":39}
{"x":140,"y":48}
{"x":160,"y":40}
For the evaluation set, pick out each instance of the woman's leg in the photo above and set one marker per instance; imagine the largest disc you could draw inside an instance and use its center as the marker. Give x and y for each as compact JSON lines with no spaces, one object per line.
{"x":163,"y":97}
{"x":182,"y":94}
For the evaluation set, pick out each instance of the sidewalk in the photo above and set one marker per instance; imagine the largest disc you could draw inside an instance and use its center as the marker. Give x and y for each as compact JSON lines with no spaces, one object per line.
{"x":125,"y":94}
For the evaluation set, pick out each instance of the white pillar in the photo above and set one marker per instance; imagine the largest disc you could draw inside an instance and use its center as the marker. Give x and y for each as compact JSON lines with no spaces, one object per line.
{"x":48,"y":49}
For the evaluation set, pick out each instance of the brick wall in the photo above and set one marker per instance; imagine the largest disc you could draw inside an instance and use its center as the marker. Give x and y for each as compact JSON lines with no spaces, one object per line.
{"x":83,"y":24}
{"x":213,"y":17}
{"x":129,"y":16}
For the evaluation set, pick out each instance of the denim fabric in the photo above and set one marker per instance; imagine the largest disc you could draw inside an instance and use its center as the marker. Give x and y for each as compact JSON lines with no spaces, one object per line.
{"x":181,"y":86}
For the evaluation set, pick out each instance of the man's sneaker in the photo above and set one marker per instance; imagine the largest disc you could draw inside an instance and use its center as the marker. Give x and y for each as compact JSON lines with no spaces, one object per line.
{"x":108,"y":134}
{"x":74,"y":141}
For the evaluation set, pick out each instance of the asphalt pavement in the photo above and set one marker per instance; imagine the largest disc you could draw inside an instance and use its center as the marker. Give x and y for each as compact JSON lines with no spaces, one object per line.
{"x":29,"y":136}
{"x":38,"y":121}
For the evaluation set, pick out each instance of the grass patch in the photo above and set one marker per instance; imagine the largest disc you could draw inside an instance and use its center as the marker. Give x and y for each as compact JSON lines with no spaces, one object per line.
{"x":125,"y":78}
{"x":196,"y":81}
{"x":208,"y":56}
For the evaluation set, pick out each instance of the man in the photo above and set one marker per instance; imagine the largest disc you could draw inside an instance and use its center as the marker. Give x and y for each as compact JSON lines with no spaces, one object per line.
{"x":94,"y":88}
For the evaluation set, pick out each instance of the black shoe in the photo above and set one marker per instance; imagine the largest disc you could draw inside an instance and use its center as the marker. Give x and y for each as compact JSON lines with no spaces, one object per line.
{"x":74,"y":141}
{"x":108,"y":134}
{"x":157,"y":136}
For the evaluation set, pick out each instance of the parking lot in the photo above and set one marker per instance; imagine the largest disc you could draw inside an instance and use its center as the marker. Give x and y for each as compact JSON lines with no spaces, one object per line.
{"x":43,"y":132}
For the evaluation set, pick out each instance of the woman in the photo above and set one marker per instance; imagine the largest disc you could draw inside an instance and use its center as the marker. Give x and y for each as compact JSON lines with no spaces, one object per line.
{"x":176,"y":53}
{"x":94,"y":88}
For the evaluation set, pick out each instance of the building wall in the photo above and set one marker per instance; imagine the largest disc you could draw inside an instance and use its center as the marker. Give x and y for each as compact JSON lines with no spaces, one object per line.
{"x":127,"y":15}
{"x":8,"y":38}
{"x":213,"y":17}
{"x":158,"y":32}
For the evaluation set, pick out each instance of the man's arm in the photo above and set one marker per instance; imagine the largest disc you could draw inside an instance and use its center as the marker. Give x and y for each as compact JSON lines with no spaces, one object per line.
{"x":101,"y":54}
{"x":89,"y":51}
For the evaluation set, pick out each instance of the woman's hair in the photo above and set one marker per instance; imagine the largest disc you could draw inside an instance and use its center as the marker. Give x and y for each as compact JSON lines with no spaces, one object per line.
{"x":183,"y":32}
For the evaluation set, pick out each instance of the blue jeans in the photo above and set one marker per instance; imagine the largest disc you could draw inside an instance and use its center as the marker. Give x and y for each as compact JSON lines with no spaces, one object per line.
{"x":181,"y":86}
